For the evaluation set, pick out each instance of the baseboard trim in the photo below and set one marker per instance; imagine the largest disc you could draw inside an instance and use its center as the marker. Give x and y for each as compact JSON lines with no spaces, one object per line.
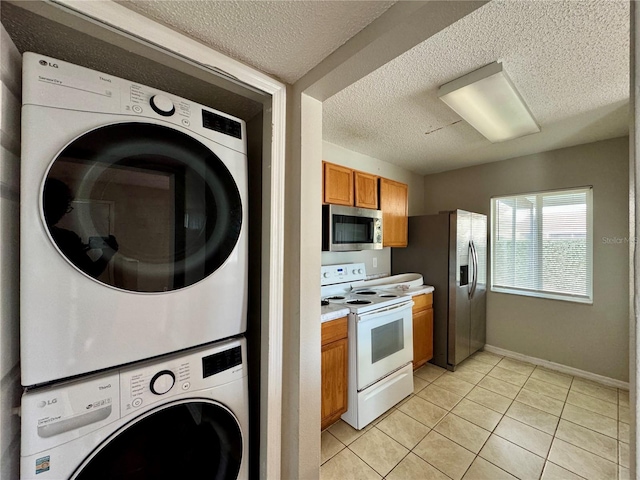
{"x":558,"y":367}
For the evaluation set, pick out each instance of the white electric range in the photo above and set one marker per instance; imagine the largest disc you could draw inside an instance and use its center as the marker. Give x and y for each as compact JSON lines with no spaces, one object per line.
{"x":380,"y":332}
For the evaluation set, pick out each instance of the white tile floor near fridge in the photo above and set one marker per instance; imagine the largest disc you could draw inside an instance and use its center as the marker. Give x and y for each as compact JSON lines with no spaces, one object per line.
{"x":493,"y":418}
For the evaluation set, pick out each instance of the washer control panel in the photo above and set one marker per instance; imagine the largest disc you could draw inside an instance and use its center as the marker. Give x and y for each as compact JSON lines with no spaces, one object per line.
{"x":162,"y":105}
{"x":56,"y":414}
{"x":162,"y":382}
{"x":144,"y":384}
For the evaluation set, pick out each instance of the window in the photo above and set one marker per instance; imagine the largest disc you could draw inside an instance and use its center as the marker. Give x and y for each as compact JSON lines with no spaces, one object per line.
{"x":541,"y":245}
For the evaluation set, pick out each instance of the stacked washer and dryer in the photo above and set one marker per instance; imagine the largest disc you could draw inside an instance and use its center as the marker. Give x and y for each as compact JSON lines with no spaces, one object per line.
{"x":133,"y":281}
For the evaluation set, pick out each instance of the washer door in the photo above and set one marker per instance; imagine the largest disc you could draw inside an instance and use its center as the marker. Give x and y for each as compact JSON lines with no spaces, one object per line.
{"x":142,"y":207}
{"x":191,"y":440}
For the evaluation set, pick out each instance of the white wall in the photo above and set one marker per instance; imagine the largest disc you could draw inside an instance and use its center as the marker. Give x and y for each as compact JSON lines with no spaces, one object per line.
{"x":10,"y":82}
{"x":335,"y":154}
{"x":301,"y":394}
{"x":594,"y":338}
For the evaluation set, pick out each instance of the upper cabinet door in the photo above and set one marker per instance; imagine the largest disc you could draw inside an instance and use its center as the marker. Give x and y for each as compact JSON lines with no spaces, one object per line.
{"x":393,"y":203}
{"x":366,"y":190}
{"x":338,"y":185}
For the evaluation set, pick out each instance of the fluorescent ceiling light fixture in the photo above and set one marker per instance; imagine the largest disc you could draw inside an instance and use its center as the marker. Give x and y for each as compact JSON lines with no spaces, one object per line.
{"x":488,"y":100}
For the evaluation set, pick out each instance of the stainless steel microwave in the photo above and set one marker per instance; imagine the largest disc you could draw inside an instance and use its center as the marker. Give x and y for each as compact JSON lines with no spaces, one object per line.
{"x":351,"y":228}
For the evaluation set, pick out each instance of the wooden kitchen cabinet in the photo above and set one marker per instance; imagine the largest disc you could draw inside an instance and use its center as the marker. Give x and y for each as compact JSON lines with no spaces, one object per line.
{"x":394,"y":201}
{"x":366,"y":190}
{"x":338,"y":185}
{"x":345,"y":186}
{"x":335,"y":361}
{"x":422,"y":329}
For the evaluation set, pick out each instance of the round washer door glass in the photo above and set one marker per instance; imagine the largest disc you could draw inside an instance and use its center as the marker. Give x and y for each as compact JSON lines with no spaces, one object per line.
{"x":193,"y":440}
{"x":142,"y":207}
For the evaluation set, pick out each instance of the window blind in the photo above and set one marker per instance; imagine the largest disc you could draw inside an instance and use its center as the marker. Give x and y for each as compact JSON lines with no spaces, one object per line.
{"x":542,"y":244}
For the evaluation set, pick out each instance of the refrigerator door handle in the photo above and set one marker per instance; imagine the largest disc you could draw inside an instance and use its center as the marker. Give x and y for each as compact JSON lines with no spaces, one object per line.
{"x":470,"y":284}
{"x":475,"y":269}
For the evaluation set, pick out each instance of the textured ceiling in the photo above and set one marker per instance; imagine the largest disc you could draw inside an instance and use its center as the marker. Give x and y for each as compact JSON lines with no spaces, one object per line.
{"x":283,"y":38}
{"x":569,"y":60}
{"x":33,"y":33}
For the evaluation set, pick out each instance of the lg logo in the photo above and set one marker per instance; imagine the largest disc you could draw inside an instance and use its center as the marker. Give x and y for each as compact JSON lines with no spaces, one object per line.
{"x":44,"y":63}
{"x":44,"y":403}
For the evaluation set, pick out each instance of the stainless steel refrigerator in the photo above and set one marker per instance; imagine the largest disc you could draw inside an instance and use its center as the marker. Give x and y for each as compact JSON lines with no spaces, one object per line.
{"x":450,"y":251}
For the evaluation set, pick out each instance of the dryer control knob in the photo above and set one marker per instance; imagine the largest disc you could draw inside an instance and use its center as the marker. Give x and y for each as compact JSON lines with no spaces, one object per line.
{"x":162,"y":105}
{"x":162,"y":382}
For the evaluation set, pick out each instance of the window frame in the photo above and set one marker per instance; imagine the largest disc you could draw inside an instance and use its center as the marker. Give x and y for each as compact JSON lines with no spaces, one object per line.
{"x":539,"y":293}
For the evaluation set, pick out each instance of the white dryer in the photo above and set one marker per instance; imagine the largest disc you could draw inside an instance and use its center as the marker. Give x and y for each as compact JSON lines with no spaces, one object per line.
{"x":184,"y":416}
{"x":133,"y":222}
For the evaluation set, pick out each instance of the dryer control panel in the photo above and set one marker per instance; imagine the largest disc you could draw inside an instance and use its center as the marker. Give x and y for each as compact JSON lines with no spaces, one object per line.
{"x":54,"y":83}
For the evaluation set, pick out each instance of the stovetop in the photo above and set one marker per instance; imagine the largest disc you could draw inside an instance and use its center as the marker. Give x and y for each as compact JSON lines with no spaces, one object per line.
{"x":364,"y":300}
{"x":358,"y":300}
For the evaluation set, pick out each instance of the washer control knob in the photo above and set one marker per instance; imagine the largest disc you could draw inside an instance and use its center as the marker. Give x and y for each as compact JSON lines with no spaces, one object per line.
{"x":360,"y":271}
{"x":326,"y":274}
{"x":162,"y":105}
{"x":162,"y":382}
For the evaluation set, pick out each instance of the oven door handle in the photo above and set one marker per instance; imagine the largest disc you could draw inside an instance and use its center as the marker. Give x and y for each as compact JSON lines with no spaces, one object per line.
{"x":365,"y":317}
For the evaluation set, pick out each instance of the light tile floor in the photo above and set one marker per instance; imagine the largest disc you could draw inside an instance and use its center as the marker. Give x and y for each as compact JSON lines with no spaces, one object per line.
{"x":493,"y":418}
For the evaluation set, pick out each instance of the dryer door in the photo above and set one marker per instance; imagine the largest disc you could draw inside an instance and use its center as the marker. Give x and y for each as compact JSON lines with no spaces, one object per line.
{"x":142,"y":207}
{"x":191,"y":440}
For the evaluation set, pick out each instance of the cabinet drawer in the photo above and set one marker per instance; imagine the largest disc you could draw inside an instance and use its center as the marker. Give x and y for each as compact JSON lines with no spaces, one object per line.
{"x":334,"y":330}
{"x":420,"y":302}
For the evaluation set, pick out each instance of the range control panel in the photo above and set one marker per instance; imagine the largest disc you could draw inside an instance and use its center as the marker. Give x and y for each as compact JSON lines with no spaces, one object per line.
{"x":347,"y":272}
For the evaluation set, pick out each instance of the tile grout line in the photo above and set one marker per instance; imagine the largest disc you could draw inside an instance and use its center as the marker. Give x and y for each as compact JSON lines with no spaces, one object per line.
{"x":433,"y":429}
{"x":513,"y":401}
{"x":371,"y":466}
{"x":491,"y":432}
{"x":554,"y":436}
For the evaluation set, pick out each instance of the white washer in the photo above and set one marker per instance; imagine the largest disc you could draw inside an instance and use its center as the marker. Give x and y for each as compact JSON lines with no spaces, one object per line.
{"x":185,"y":416}
{"x":133,"y":222}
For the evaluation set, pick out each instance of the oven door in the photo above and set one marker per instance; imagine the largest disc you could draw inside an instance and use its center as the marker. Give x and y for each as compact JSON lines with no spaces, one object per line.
{"x":384,"y":342}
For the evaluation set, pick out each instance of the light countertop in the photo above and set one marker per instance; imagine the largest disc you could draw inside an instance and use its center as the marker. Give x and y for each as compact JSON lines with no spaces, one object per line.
{"x":411,"y":291}
{"x":332,"y":312}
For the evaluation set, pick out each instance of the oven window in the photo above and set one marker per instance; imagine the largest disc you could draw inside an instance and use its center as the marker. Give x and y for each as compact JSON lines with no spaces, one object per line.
{"x":348,"y":229}
{"x":142,"y":207}
{"x":386,"y":340}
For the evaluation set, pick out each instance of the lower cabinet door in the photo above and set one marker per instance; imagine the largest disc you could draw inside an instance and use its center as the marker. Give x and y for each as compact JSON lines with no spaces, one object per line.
{"x":334,"y":381}
{"x":422,"y":337}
